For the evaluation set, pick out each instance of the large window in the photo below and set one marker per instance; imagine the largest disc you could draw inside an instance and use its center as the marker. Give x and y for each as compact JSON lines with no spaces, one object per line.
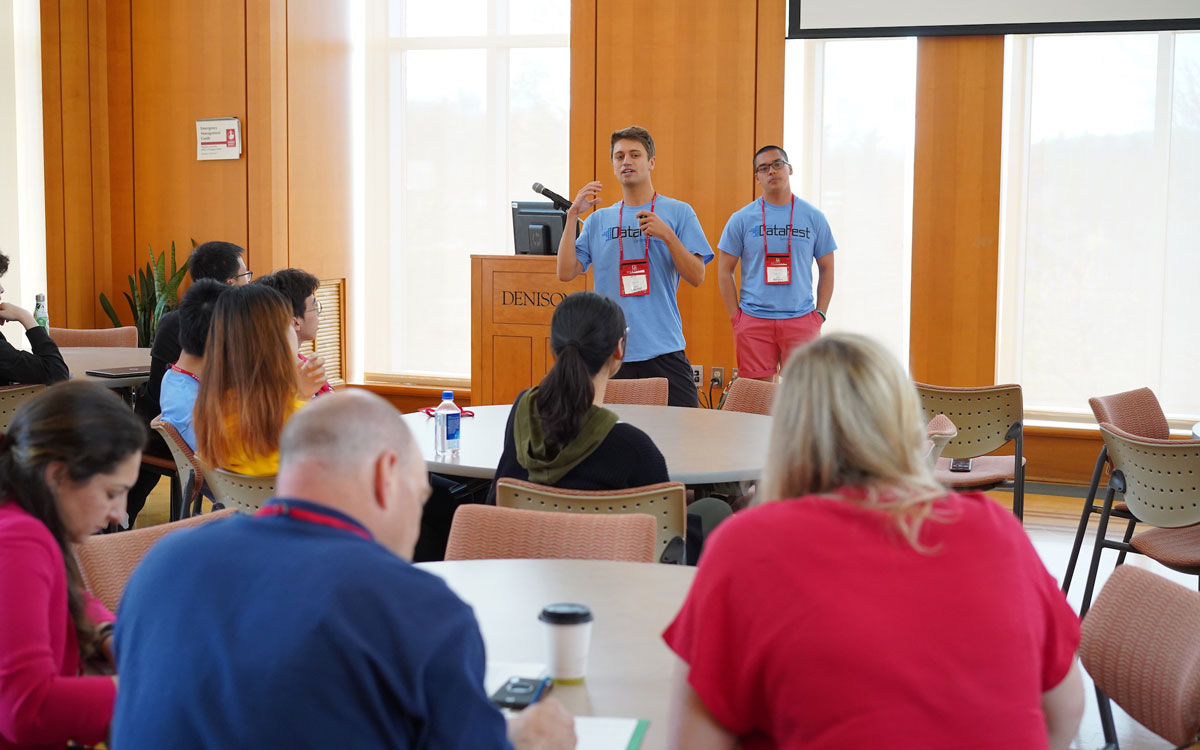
{"x":1100,"y":259}
{"x":849,"y":120}
{"x":467,"y":105}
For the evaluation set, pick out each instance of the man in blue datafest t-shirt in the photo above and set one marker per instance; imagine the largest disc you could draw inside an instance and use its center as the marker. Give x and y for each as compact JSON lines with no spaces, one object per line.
{"x":776,"y":238}
{"x":305,"y":625}
{"x":640,"y":248}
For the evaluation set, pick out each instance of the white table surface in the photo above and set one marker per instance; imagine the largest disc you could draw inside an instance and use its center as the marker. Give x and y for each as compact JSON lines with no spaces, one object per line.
{"x":629,"y":666}
{"x":701,"y":446}
{"x":79,"y":359}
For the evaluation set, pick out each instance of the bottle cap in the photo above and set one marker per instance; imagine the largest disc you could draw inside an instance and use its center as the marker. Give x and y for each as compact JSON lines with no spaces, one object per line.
{"x":447,"y":395}
{"x":566,"y":613}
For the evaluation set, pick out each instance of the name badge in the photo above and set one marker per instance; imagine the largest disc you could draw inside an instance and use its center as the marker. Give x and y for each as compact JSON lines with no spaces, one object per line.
{"x":778,"y":269}
{"x":635,"y":278}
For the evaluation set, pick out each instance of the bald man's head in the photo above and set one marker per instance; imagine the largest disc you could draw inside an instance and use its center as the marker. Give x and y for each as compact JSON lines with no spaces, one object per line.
{"x":344,"y":428}
{"x":352,"y":452}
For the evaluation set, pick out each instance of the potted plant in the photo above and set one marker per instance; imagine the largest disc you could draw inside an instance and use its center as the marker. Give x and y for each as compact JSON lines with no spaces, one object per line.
{"x":154,"y":292}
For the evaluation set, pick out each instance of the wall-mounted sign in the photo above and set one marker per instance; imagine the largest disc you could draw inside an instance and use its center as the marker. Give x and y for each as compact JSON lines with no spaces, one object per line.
{"x":218,"y":138}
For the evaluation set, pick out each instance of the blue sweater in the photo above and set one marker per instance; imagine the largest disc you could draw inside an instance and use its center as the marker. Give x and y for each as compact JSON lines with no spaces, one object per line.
{"x":277,"y":632}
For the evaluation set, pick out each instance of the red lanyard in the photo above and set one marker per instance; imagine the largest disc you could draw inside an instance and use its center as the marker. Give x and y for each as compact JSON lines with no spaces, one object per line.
{"x":791,"y":214}
{"x":311,"y":516}
{"x":621,"y":228}
{"x":182,"y":371}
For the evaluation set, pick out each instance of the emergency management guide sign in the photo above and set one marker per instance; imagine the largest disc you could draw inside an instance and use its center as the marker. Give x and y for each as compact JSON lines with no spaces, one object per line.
{"x":218,"y":138}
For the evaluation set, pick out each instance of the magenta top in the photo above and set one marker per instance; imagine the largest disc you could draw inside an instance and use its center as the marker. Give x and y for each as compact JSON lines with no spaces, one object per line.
{"x":43,"y":699}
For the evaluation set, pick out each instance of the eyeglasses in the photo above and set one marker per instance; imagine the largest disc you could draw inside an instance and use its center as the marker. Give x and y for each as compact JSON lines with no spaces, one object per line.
{"x":316,"y":307}
{"x":765,"y":168}
{"x":248,"y":274}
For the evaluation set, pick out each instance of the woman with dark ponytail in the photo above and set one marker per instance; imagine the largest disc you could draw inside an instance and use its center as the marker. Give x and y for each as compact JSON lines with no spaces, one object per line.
{"x":559,"y":433}
{"x":66,"y":463}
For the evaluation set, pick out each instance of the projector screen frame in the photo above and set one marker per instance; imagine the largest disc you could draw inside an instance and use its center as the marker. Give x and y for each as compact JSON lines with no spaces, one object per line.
{"x":1060,"y":27}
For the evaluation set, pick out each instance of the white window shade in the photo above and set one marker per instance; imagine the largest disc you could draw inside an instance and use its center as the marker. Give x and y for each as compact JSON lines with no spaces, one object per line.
{"x":849,"y":127}
{"x":475,"y":97}
{"x":1100,"y":261}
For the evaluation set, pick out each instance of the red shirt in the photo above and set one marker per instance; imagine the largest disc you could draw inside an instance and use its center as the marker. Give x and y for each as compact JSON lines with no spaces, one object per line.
{"x":43,"y":700}
{"x":812,"y":623}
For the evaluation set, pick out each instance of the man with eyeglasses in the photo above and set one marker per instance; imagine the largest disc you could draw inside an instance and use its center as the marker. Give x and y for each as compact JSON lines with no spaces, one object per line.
{"x":640,"y":247}
{"x":776,"y":238}
{"x":300,"y":288}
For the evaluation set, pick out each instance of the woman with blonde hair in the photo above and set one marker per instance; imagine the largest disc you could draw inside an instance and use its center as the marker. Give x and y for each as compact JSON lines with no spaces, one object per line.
{"x":860,"y":603}
{"x":251,"y":381}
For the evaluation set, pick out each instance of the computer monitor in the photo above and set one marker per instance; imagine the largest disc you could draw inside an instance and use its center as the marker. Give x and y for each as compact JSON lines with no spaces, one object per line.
{"x":537,"y":227}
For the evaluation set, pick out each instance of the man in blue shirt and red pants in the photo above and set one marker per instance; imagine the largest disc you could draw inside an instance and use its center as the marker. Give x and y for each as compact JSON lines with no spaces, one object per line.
{"x":776,"y":238}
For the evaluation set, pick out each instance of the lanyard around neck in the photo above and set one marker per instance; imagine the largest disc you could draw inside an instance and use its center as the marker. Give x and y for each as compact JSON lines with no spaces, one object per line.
{"x":791,"y":215}
{"x":182,"y":371}
{"x":621,"y":228}
{"x":305,"y":515}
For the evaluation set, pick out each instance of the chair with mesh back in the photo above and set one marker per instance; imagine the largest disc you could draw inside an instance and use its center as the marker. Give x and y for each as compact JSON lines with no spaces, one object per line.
{"x":124,"y":336}
{"x":107,"y":560}
{"x":1160,"y":483}
{"x":649,"y":391}
{"x":1137,"y":413}
{"x":240,"y":491}
{"x":1139,"y":644}
{"x":987,"y":418}
{"x":11,"y":398}
{"x":485,"y":532}
{"x":187,"y":466}
{"x":939,"y":431}
{"x":665,"y":501}
{"x":749,"y":395}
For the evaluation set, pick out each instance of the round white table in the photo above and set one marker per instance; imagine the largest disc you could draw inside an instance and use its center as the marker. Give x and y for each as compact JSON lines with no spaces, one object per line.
{"x":701,"y":446}
{"x":80,"y":359}
{"x":629,"y":666}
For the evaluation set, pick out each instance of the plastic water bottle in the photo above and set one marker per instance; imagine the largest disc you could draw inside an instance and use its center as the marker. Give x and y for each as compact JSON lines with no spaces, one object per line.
{"x":40,"y":315}
{"x":448,"y":422}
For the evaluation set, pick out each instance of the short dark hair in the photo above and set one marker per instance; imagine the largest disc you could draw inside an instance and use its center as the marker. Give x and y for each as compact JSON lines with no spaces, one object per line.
{"x":764,"y":149}
{"x":294,"y":284}
{"x":633,"y":133}
{"x":3,"y":264}
{"x":214,"y":260}
{"x":195,"y":314}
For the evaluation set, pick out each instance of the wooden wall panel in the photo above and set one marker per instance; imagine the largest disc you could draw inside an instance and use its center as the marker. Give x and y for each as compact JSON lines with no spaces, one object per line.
{"x":124,"y":255}
{"x":320,"y":213}
{"x":956,"y":210}
{"x":189,"y":62}
{"x":52,"y":145}
{"x":694,"y":87}
{"x":78,"y":302}
{"x":266,"y":132}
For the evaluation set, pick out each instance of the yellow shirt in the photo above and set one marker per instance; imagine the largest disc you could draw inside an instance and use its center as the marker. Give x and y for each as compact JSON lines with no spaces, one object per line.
{"x":254,"y":466}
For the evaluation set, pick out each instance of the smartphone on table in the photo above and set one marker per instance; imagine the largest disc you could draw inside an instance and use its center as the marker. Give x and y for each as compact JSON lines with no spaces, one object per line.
{"x":519,"y":692}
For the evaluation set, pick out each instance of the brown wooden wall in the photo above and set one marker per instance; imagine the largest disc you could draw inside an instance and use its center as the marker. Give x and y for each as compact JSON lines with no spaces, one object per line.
{"x":124,"y":82}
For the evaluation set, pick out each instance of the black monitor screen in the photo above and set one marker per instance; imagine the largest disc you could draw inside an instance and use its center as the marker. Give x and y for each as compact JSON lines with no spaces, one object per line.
{"x":537,"y":227}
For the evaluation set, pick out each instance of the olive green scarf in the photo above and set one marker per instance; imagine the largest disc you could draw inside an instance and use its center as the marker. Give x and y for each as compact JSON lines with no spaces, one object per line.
{"x":545,"y":467}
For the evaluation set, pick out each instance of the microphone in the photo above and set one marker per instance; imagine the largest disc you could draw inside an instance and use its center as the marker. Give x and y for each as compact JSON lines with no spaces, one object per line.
{"x":555,"y":198}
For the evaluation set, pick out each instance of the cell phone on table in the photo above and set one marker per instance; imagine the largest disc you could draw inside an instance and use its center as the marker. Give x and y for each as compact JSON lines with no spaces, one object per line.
{"x":960,"y":464}
{"x":519,"y":692}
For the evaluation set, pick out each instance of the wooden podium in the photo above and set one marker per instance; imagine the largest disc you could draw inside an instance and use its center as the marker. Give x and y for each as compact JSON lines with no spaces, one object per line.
{"x":512,"y":300}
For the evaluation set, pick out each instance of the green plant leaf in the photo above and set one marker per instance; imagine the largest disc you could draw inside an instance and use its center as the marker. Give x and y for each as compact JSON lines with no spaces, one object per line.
{"x":109,"y":311}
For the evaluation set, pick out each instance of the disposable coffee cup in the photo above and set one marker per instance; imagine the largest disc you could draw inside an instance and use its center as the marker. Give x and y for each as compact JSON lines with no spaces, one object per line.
{"x":568,"y":632}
